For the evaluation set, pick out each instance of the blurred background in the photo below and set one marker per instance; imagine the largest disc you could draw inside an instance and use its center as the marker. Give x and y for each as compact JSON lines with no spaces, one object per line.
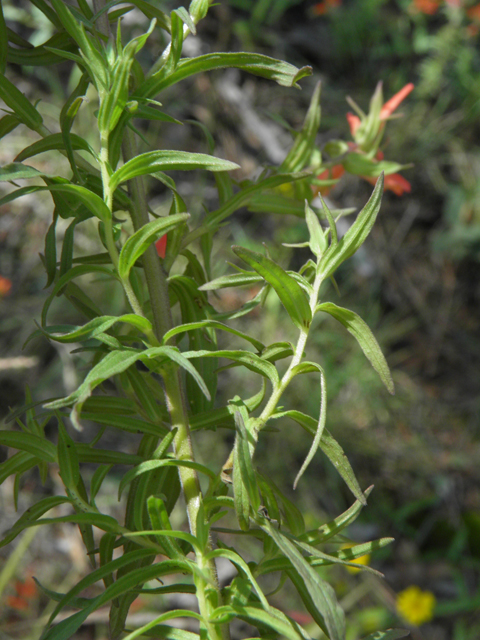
{"x":416,"y":282}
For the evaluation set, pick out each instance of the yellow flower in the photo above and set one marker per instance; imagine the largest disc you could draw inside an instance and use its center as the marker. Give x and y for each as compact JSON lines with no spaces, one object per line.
{"x":416,"y":606}
{"x":365,"y":560}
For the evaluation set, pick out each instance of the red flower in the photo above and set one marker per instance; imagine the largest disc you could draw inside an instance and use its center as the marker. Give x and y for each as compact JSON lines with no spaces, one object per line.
{"x":390,"y":106}
{"x":354,"y":122}
{"x":321,"y":8}
{"x":161,"y":246}
{"x":429,"y":7}
{"x":5,"y":286}
{"x":334,"y":173}
{"x":26,"y":591}
{"x":393,"y":182}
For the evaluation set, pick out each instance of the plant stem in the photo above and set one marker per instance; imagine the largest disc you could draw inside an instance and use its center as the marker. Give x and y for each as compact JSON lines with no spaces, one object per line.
{"x":175,"y":396}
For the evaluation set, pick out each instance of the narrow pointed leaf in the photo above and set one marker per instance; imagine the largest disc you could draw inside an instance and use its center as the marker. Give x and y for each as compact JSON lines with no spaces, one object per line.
{"x":152,"y":161}
{"x":137,"y":244}
{"x":19,"y":104}
{"x":285,"y":74}
{"x":290,"y":293}
{"x":355,"y":236}
{"x":321,"y":593}
{"x":359,"y":329}
{"x":388,"y":634}
{"x":308,"y":366}
{"x":331,"y":449}
{"x":211,"y":324}
{"x":233,"y":280}
{"x":52,"y":142}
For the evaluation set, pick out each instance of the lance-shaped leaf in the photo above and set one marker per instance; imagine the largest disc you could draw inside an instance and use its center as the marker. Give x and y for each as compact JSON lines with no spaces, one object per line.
{"x":244,"y":481}
{"x":232,"y":280}
{"x":321,"y":593}
{"x":355,"y":236}
{"x":211,"y":324}
{"x":307,"y":367}
{"x":19,"y":104}
{"x":257,"y":616}
{"x":388,"y":634}
{"x":299,"y":155}
{"x":318,"y":241}
{"x":36,"y":445}
{"x":114,"y":363}
{"x":365,"y":338}
{"x":55,"y":141}
{"x":152,"y":161}
{"x":331,"y":449}
{"x":290,"y":293}
{"x":97,"y":326}
{"x":246,"y":358}
{"x":137,"y":244}
{"x":285,"y":74}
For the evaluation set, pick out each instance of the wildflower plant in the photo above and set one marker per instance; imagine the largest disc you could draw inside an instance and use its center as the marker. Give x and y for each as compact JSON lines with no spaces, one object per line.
{"x":165,"y":371}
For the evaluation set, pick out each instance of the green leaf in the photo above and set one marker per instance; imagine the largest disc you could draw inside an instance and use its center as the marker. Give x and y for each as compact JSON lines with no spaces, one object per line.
{"x":132,"y":557}
{"x":150,"y":465}
{"x":211,"y":324}
{"x":97,"y":326}
{"x":18,"y":171}
{"x":355,"y":236}
{"x":331,"y":449}
{"x":19,"y":104}
{"x":299,"y":155}
{"x":322,"y":594}
{"x":244,"y":480}
{"x":37,"y":446}
{"x":246,"y":358}
{"x":67,"y":459}
{"x":290,"y":293}
{"x":237,"y":560}
{"x":285,"y":74}
{"x":389,"y":634}
{"x":330,"y":529}
{"x":3,"y":42}
{"x":114,"y":363}
{"x":306,"y":367}
{"x":359,"y":329}
{"x":318,"y":242}
{"x":166,"y":632}
{"x":31,"y":515}
{"x":152,"y":161}
{"x":7,"y":124}
{"x":169,"y":615}
{"x":17,"y":464}
{"x":257,"y":616}
{"x":54,"y":141}
{"x":358,"y":164}
{"x":137,"y":244}
{"x":233,"y":280}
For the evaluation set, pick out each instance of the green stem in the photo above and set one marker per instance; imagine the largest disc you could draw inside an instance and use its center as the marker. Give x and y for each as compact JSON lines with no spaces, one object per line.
{"x":175,"y":396}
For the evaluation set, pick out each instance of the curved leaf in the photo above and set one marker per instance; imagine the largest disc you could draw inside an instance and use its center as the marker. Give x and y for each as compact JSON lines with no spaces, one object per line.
{"x":97,"y":326}
{"x":331,"y":449}
{"x":152,"y":161}
{"x":150,"y":465}
{"x":55,"y":141}
{"x":355,"y":236}
{"x":139,"y":242}
{"x":19,"y":104}
{"x":285,"y":74}
{"x":211,"y":324}
{"x":365,"y":338}
{"x":290,"y":293}
{"x":246,"y":358}
{"x":233,"y":280}
{"x":307,"y":367}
